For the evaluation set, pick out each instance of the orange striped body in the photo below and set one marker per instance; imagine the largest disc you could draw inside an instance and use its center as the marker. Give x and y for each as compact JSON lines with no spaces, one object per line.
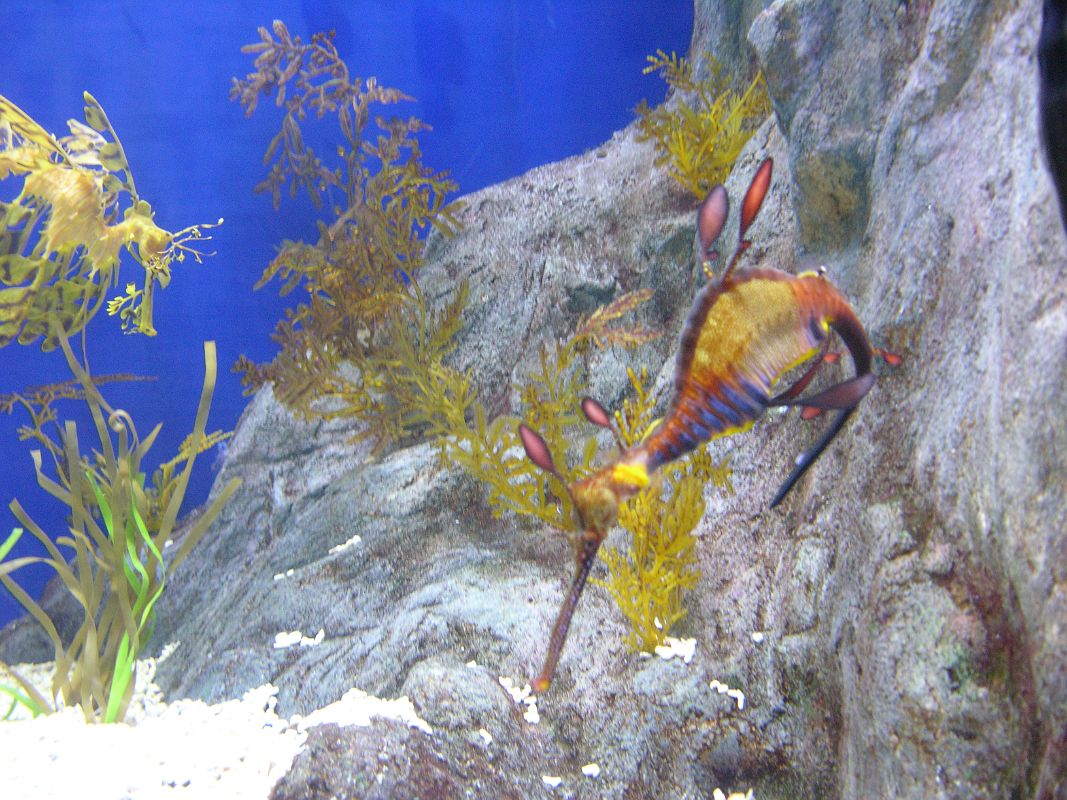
{"x":739,"y":338}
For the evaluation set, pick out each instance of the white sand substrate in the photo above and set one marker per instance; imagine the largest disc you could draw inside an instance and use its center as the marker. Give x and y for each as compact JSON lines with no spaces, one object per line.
{"x":185,"y":749}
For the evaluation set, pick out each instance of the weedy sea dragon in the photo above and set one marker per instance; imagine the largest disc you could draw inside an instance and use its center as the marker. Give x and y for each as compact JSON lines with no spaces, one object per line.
{"x":745,"y":330}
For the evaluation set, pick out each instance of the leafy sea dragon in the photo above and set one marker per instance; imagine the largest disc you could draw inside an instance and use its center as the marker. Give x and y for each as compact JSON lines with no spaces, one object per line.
{"x":745,"y":330}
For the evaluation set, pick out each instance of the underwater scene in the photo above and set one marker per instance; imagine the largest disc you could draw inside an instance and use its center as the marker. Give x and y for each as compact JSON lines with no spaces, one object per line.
{"x":589,"y":399}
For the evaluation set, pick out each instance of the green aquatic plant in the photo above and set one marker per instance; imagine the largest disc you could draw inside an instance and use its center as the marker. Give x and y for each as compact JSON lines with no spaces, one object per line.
{"x":120,"y":533}
{"x":699,"y":137}
{"x":416,"y":388}
{"x":649,"y":579}
{"x":61,"y":236}
{"x":21,"y":691}
{"x":36,"y":401}
{"x":361,"y":276}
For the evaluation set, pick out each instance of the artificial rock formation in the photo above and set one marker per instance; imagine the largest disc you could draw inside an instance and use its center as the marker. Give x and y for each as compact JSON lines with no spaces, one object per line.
{"x":911,"y":593}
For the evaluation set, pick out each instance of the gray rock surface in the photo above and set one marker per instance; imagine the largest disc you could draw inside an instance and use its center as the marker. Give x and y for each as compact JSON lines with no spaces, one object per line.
{"x":912,"y":591}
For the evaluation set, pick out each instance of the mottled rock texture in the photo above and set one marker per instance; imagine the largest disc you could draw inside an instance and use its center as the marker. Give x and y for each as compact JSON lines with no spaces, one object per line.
{"x":913,"y":588}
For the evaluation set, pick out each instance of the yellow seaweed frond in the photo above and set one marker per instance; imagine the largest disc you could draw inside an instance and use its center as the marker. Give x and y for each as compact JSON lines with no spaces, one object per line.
{"x":649,"y":580}
{"x":699,"y":138}
{"x":597,"y":327}
{"x":364,"y":307}
{"x":492,"y":452}
{"x":635,"y":417}
{"x":549,"y":398}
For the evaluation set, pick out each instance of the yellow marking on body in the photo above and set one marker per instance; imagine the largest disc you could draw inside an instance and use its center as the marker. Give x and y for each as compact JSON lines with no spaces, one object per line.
{"x":732,"y":431}
{"x":796,"y":362}
{"x":630,"y":475}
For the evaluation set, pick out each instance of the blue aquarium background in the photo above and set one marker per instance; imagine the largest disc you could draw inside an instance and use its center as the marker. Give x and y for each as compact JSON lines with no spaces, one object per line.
{"x":506,"y":85}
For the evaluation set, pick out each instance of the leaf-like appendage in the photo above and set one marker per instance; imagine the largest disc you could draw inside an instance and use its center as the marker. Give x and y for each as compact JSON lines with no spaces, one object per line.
{"x":757,"y":190}
{"x":712,"y":217}
{"x":536,"y":449}
{"x":23,"y":126}
{"x":60,"y":242}
{"x":596,"y":413}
